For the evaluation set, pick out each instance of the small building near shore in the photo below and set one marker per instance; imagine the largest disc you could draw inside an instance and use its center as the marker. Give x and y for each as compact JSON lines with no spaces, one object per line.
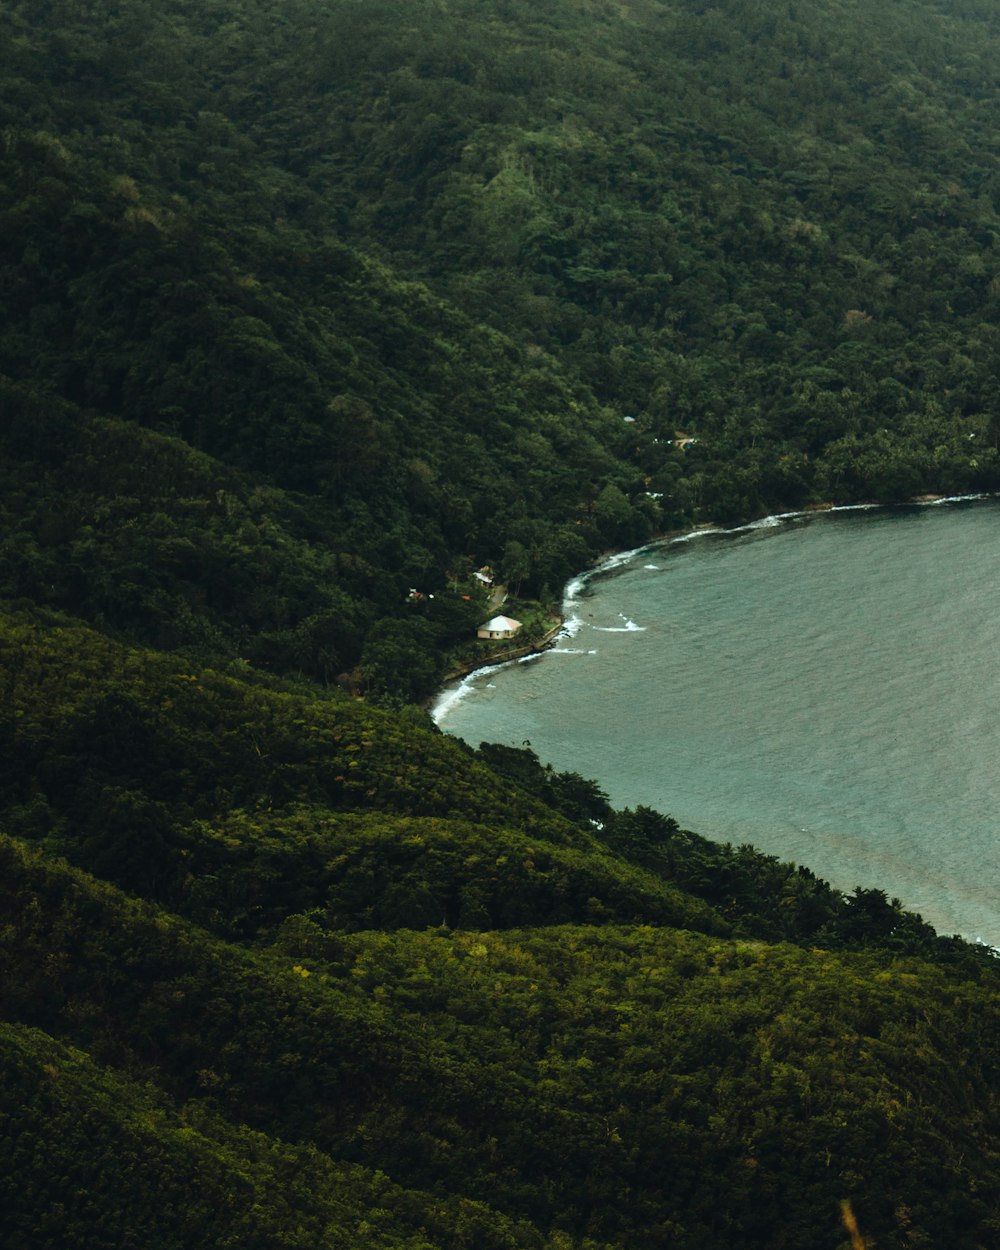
{"x":499,"y":627}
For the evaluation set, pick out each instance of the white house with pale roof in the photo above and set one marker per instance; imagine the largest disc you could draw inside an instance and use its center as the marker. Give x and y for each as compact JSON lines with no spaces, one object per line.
{"x":499,"y":627}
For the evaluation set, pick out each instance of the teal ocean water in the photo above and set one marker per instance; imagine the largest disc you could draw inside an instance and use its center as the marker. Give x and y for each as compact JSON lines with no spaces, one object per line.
{"x":825,"y":687}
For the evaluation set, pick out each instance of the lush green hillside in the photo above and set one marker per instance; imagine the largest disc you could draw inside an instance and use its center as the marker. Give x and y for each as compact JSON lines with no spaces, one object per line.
{"x":356,"y":967}
{"x":403,"y":271}
{"x":306,"y":307}
{"x":623,"y":1084}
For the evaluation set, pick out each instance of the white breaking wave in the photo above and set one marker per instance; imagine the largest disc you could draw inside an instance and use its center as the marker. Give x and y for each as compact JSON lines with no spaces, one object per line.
{"x":702,"y":533}
{"x":762,"y":523}
{"x":617,"y":560}
{"x":572,"y":627}
{"x":932,"y":503}
{"x":575,"y":586}
{"x":769,"y":522}
{"x":776,"y":519}
{"x":629,"y":627}
{"x":452,"y":696}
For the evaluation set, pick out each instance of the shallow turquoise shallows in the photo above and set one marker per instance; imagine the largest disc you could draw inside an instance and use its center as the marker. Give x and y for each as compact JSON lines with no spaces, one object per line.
{"x":825,"y":687}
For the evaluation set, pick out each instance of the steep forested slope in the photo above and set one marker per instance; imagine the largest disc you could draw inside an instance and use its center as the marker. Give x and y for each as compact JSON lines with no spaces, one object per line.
{"x":406,"y":270}
{"x":618,"y":1084}
{"x":308,"y":306}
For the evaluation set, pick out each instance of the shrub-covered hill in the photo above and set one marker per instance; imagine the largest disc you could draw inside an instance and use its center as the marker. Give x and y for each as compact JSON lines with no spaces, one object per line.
{"x":364,"y":987}
{"x":92,"y":1159}
{"x":617,"y":1085}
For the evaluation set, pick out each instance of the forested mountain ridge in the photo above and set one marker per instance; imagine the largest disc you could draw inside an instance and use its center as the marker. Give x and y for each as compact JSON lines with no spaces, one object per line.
{"x":308,"y":306}
{"x":415,"y":268}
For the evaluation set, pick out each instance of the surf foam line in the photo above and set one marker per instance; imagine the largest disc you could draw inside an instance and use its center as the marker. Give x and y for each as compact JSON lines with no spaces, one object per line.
{"x":630,"y":627}
{"x":762,"y":523}
{"x":934,"y":503}
{"x":776,"y":519}
{"x":452,"y":696}
{"x":571,"y":627}
{"x":575,"y":586}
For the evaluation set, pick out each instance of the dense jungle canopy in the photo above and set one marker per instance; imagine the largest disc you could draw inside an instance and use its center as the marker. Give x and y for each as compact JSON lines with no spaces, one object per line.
{"x":306,"y":307}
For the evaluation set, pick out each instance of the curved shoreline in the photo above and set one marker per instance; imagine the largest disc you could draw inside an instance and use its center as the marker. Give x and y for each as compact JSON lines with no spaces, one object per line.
{"x":457,"y":682}
{"x":500,"y":658}
{"x":831,"y":558}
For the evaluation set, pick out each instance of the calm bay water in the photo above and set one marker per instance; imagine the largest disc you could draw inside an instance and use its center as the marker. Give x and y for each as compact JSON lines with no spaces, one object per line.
{"x":827,"y":688}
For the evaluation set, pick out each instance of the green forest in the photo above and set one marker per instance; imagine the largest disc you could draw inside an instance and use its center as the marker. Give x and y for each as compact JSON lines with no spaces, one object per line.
{"x":308,"y":313}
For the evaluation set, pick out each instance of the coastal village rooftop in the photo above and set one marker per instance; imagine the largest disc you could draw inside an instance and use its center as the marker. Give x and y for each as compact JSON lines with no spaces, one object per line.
{"x":499,"y":627}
